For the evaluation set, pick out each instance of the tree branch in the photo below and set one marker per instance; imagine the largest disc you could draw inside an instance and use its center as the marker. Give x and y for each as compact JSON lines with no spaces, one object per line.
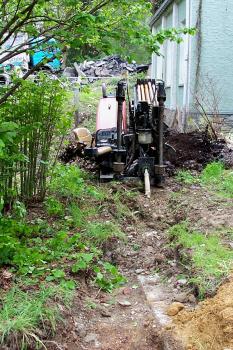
{"x":19,"y":83}
{"x":99,"y":6}
{"x":27,"y":11}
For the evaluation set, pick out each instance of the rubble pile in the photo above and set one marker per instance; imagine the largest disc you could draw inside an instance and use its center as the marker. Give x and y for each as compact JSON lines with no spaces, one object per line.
{"x":106,"y":67}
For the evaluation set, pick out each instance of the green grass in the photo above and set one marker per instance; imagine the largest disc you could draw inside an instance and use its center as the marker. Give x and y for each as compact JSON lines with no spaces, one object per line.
{"x":186,"y":177}
{"x":214,"y":177}
{"x":218,"y":179}
{"x":100,"y":232}
{"x":209,"y":259}
{"x":23,"y":312}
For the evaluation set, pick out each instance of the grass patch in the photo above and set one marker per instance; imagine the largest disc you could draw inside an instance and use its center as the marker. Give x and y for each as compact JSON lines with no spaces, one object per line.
{"x":59,"y":251}
{"x":100,"y":232}
{"x":186,"y":177}
{"x":213,"y":177}
{"x":210,"y":260}
{"x":218,"y":179}
{"x":22,"y":312}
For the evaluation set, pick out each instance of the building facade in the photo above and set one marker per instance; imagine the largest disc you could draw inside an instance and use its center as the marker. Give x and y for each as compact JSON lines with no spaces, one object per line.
{"x":198,"y":73}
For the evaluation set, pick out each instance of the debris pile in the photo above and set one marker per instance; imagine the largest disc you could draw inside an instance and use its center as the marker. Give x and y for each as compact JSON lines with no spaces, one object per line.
{"x":195,"y":149}
{"x":73,"y":153}
{"x":106,"y":67}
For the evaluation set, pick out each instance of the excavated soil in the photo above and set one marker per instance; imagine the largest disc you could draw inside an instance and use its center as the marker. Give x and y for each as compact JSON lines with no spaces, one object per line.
{"x":210,"y":326}
{"x":193,"y":151}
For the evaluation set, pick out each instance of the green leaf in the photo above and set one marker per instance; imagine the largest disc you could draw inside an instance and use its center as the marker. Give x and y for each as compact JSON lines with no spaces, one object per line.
{"x":80,"y":265}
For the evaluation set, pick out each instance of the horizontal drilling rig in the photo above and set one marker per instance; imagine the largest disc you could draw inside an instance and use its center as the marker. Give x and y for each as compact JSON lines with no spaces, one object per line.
{"x":129,"y":137}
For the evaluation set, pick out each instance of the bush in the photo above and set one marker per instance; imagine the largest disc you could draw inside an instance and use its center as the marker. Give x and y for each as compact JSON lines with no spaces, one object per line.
{"x":31,"y":120}
{"x":54,"y":206}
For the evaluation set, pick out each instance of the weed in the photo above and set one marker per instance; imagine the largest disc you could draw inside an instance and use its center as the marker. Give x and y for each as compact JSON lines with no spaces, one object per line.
{"x":100,"y":232}
{"x":96,"y":192}
{"x":80,"y":215}
{"x":67,"y":181}
{"x":122,"y":210}
{"x":54,"y":206}
{"x":83,"y":261}
{"x":68,"y":284}
{"x":19,"y":210}
{"x":208,"y":256}
{"x":22,"y":312}
{"x":90,"y":304}
{"x":186,"y":177}
{"x":108,"y":276}
{"x":40,"y":253}
{"x":56,"y":274}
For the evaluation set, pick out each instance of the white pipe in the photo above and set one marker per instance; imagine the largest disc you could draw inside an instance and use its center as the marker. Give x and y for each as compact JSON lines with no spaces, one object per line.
{"x":147,"y":184}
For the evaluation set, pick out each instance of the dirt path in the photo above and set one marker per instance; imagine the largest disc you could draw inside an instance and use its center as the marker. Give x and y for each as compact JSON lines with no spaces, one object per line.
{"x":128,"y":319}
{"x":134,"y":316}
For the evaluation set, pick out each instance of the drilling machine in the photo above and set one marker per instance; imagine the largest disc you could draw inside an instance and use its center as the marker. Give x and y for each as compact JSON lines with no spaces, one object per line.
{"x":129,"y":140}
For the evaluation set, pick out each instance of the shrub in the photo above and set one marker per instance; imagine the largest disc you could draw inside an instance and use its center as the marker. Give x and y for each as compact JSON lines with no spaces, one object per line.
{"x":31,"y":119}
{"x":54,"y":206}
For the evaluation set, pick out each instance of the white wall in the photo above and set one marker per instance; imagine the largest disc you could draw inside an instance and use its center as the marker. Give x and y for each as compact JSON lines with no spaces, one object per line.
{"x":173,"y":67}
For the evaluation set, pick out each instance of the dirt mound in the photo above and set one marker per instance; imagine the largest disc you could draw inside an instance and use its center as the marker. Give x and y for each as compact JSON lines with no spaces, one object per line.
{"x":195,"y":149}
{"x":210,"y":326}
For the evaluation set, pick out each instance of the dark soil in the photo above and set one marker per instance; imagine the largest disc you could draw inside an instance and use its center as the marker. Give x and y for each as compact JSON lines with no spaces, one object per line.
{"x":193,"y":151}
